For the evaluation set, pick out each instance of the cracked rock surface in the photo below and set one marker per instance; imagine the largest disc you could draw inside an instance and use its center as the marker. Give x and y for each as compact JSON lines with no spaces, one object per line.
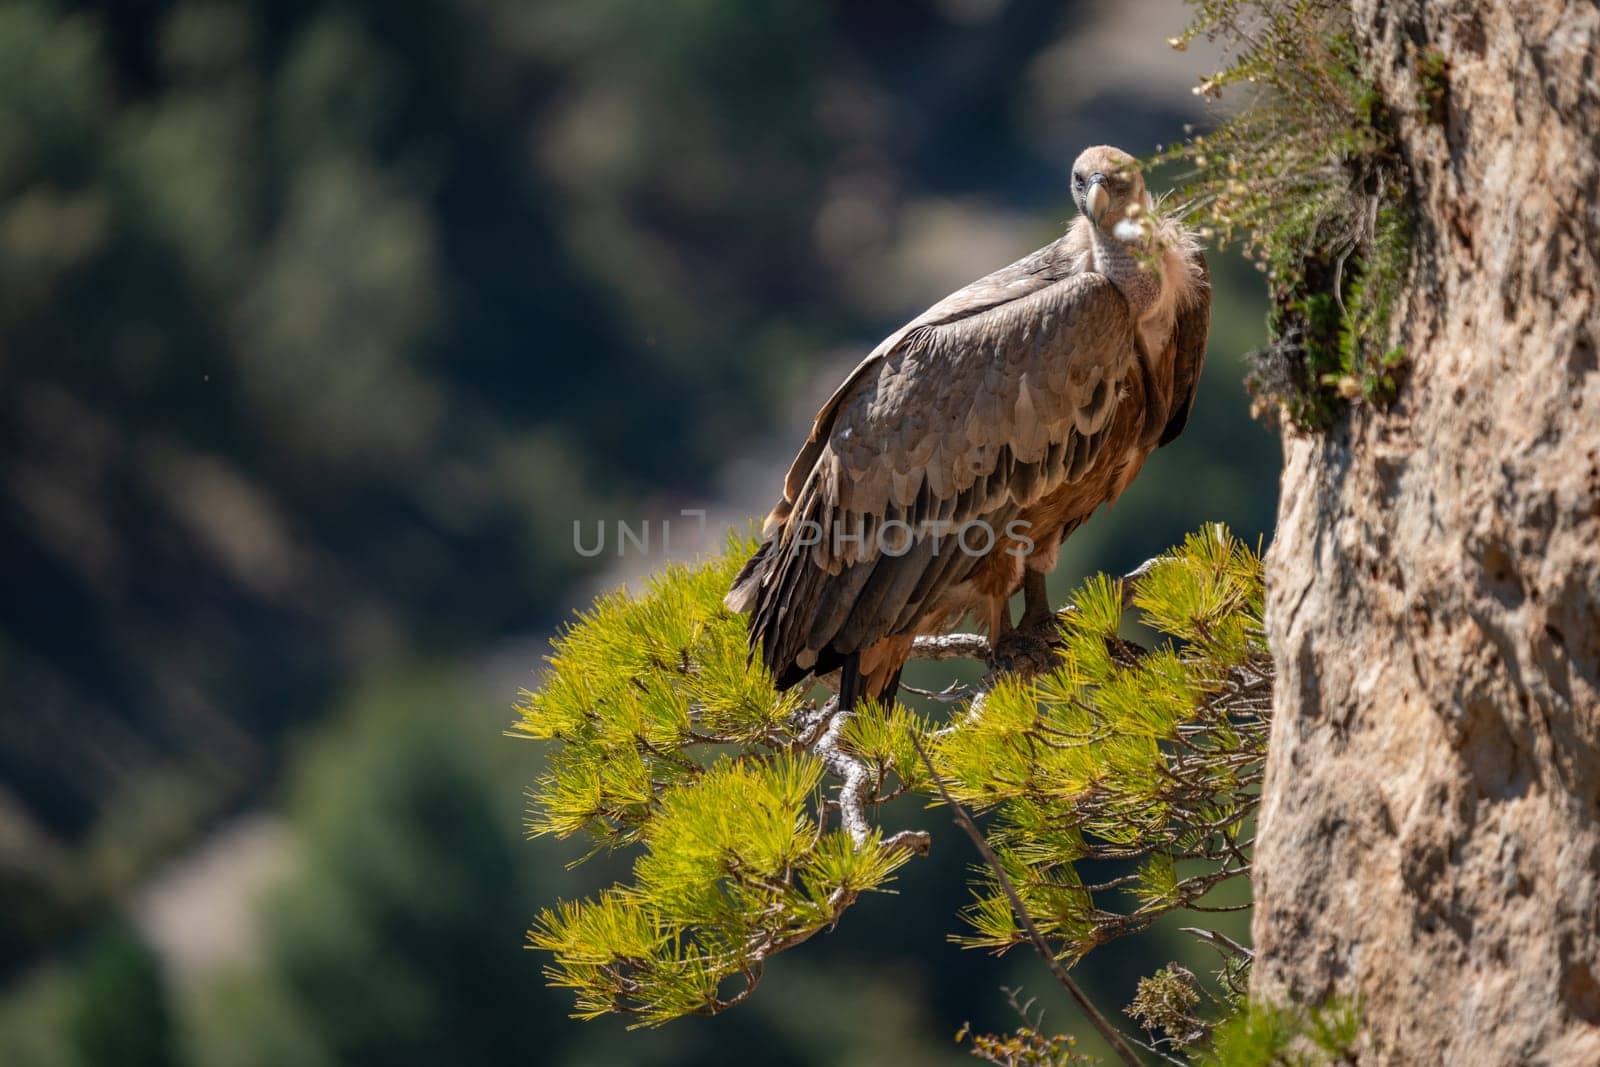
{"x":1430,"y":829}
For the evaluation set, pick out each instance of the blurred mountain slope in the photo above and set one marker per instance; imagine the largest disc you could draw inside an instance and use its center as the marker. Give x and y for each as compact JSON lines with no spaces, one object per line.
{"x":320,"y":324}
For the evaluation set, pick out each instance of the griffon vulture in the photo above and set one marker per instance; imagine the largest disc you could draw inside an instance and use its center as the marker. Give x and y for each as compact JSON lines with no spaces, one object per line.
{"x":945,"y":471}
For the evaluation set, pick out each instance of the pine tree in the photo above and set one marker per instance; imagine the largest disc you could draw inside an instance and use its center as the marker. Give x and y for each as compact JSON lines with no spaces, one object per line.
{"x":752,"y":814}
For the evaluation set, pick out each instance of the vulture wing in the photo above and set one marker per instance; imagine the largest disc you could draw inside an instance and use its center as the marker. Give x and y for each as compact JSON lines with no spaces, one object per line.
{"x":1193,"y":324}
{"x":992,"y":398}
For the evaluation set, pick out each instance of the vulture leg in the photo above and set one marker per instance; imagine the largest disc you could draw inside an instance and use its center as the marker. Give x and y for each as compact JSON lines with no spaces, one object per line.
{"x":1036,"y":612}
{"x":1028,"y":648}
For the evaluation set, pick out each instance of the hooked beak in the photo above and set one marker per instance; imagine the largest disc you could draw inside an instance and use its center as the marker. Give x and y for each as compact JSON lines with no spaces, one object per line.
{"x":1097,"y":199}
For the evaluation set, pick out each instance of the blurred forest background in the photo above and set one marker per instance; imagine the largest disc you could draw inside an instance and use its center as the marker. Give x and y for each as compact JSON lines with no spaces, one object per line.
{"x":321,"y":322}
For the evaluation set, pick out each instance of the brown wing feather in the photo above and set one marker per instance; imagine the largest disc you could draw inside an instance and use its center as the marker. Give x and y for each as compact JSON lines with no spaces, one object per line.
{"x":960,"y":416}
{"x":994,"y":397}
{"x":1031,"y":273}
{"x":1192,"y":328}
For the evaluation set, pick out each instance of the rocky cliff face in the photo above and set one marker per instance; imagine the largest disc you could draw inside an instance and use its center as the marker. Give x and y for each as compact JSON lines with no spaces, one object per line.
{"x":1430,"y":831}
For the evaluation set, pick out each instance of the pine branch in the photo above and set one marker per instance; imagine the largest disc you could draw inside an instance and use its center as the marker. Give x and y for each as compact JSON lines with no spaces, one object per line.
{"x":670,"y":743}
{"x":1113,"y":1036}
{"x":977,"y":647}
{"x":951,"y":646}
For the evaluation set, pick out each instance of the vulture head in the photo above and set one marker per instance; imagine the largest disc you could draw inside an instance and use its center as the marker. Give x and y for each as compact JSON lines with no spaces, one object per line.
{"x":1106,"y":183}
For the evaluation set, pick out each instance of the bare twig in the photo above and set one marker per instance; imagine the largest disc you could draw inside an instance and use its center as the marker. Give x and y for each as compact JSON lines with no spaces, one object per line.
{"x":1221,"y":942}
{"x":954,"y":693}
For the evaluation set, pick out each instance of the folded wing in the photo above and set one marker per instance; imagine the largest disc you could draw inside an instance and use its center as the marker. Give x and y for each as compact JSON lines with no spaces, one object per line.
{"x":993,"y":398}
{"x":1191,"y":330}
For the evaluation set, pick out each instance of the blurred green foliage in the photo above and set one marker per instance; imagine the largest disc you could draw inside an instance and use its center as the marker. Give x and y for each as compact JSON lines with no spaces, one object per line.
{"x":320,"y":323}
{"x":395,"y":936}
{"x":1292,"y":1036}
{"x":120,"y":1016}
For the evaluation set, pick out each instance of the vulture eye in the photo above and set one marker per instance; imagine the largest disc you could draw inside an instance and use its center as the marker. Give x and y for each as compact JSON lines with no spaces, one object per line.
{"x":1077,"y":181}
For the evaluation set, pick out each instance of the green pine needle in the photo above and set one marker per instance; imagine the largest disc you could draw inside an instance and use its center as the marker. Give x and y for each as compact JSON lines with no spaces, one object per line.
{"x":662,"y":737}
